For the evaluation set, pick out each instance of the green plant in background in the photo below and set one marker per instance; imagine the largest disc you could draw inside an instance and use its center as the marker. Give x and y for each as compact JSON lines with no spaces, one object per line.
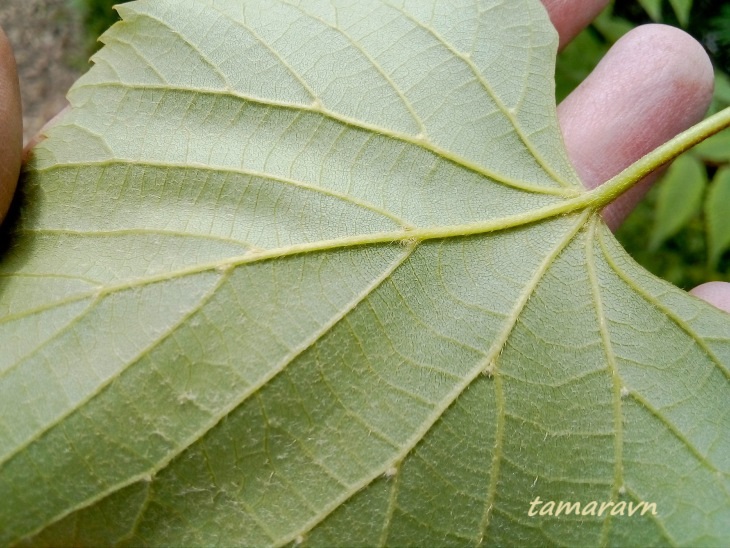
{"x":717,"y":218}
{"x":579,"y":58}
{"x":98,"y":15}
{"x":681,"y":9}
{"x":679,"y":199}
{"x":687,"y":239}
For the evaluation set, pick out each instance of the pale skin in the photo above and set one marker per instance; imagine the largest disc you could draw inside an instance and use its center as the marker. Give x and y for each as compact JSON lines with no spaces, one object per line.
{"x":654,"y":83}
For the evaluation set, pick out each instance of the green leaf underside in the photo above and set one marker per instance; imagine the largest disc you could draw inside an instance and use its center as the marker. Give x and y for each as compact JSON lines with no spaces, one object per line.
{"x":321,"y":272}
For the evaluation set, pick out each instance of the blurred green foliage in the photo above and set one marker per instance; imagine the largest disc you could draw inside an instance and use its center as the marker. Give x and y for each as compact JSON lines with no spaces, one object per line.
{"x":681,"y":231}
{"x":98,"y":16}
{"x":679,"y":198}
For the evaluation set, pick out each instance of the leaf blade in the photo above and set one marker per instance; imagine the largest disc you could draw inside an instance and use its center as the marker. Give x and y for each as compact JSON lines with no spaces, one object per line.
{"x":360,"y":280}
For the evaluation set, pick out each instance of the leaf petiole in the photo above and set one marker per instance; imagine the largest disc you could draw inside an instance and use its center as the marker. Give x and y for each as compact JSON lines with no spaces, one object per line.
{"x":595,"y":199}
{"x":614,"y":187}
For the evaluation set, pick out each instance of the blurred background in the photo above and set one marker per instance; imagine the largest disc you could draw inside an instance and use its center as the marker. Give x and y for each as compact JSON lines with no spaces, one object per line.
{"x":681,"y":232}
{"x":51,"y":50}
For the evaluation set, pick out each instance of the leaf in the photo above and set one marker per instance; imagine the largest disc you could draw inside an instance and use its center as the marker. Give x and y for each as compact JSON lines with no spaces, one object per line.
{"x":716,"y":149}
{"x":577,"y":61}
{"x":321,"y":272}
{"x":721,"y":94}
{"x":718,"y":222}
{"x":653,"y":8}
{"x":610,"y":26}
{"x":680,"y":198}
{"x":584,"y":51}
{"x":682,"y":9}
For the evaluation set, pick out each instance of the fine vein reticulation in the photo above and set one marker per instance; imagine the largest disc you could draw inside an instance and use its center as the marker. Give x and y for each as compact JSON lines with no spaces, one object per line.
{"x":321,"y":272}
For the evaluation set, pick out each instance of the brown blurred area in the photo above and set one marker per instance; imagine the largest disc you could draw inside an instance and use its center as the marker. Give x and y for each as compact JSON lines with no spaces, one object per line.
{"x":47,"y":39}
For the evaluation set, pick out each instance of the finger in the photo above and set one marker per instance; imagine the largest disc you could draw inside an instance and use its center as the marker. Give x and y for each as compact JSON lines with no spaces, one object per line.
{"x":654,"y":83}
{"x":11,"y":125}
{"x":570,"y":16}
{"x":715,"y":293}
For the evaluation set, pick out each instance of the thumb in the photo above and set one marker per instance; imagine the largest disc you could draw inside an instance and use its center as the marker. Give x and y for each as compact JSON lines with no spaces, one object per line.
{"x":715,"y":293}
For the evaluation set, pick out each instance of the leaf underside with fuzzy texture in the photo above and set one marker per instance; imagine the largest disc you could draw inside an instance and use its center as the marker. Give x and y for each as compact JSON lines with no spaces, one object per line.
{"x":320,"y":272}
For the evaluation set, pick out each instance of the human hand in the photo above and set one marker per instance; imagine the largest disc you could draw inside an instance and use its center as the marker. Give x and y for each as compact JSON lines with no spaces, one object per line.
{"x":654,"y":83}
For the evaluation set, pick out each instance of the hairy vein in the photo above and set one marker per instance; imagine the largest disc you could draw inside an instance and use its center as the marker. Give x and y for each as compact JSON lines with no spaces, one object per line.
{"x":491,"y":363}
{"x":618,"y":438}
{"x":319,"y":109}
{"x":506,"y":112}
{"x":252,"y":390}
{"x":110,"y":380}
{"x":491,"y":355}
{"x":379,"y":69}
{"x":666,"y":311}
{"x":351,"y":200}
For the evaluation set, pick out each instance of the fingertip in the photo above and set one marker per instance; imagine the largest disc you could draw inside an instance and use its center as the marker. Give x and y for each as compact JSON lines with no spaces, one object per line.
{"x":11,"y":125}
{"x":654,"y":83}
{"x":677,"y":64}
{"x":569,"y":17}
{"x":715,"y":293}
